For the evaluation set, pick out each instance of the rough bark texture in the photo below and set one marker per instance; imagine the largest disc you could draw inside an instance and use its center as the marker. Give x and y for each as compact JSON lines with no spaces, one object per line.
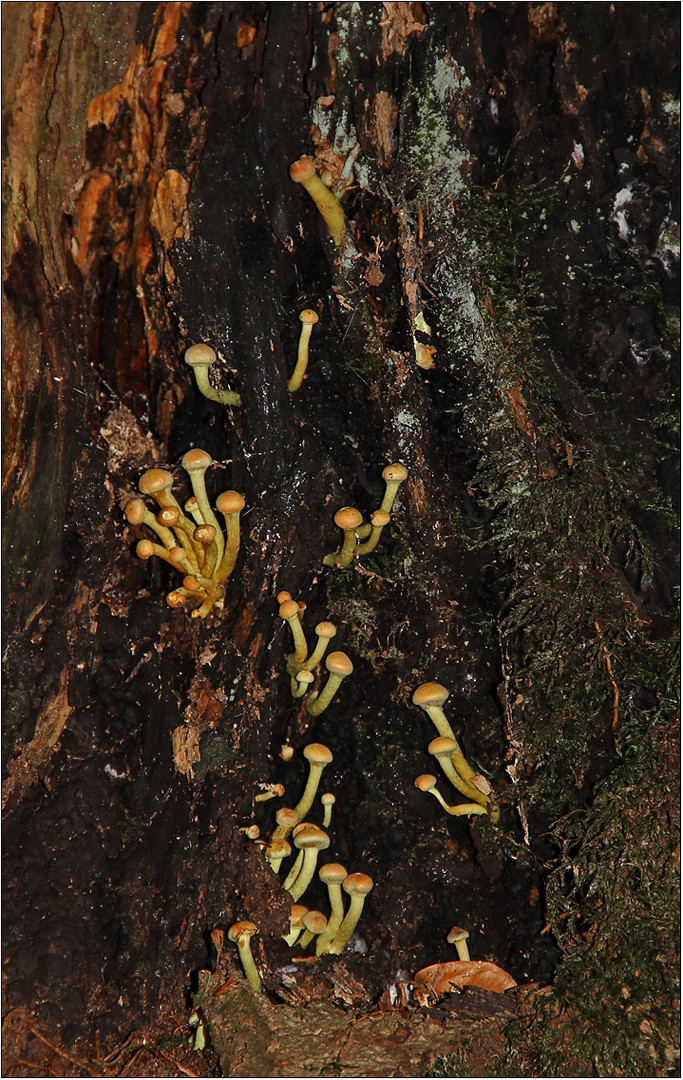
{"x":508,"y":171}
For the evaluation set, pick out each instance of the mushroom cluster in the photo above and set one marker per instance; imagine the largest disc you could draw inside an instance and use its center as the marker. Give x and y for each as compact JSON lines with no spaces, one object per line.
{"x":191,"y":538}
{"x":293,"y":831}
{"x":446,"y":749}
{"x":359,"y":537}
{"x":302,"y":662}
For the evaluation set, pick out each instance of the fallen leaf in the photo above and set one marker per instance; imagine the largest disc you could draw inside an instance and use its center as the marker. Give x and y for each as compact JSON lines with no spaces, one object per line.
{"x":457,"y":974}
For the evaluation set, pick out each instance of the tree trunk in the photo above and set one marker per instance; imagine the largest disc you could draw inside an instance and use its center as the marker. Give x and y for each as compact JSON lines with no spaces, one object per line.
{"x":500,"y":318}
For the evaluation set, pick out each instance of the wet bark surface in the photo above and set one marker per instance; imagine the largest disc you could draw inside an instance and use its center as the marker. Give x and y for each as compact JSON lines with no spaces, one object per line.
{"x":509,"y":171}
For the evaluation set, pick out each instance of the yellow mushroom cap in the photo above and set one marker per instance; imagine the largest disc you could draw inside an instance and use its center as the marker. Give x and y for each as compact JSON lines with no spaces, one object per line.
{"x":333,"y":873}
{"x":175,"y":599}
{"x":204,"y":533}
{"x":328,"y":799}
{"x":318,"y":754}
{"x":196,"y":460}
{"x":286,"y":818}
{"x":305,"y":677}
{"x":230,"y":502}
{"x":425,"y":782}
{"x":135,"y":511}
{"x":289,"y":609}
{"x":430,"y":693}
{"x":200,"y":355}
{"x":282,"y":596}
{"x":302,"y":170}
{"x":442,"y":745}
{"x":153,"y":480}
{"x":326,"y":629}
{"x":395,"y":472}
{"x":348,"y":518}
{"x":144,"y":549}
{"x":296,"y":914}
{"x":242,"y":930}
{"x":357,"y":884}
{"x":308,"y":316}
{"x":314,"y":921}
{"x":308,"y":835}
{"x":339,"y":663}
{"x":380,"y":518}
{"x":455,"y":934}
{"x":168,"y":516}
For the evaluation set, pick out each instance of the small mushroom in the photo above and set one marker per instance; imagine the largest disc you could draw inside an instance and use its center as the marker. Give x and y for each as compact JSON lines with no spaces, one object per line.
{"x":195,"y":463}
{"x":328,"y":800}
{"x":329,"y":208}
{"x":200,"y":358}
{"x":348,"y":519}
{"x":308,"y":319}
{"x":241,"y":933}
{"x":325,"y":631}
{"x":300,"y":683}
{"x":285,"y":819}
{"x":276,"y":851}
{"x":427,"y":782}
{"x":339,"y":666}
{"x":448,"y":754}
{"x":136,"y":513}
{"x":379,"y":519}
{"x":314,"y":924}
{"x":317,"y":756}
{"x":393,"y":477}
{"x":289,"y":611}
{"x":296,"y":914}
{"x":309,"y":839}
{"x":357,"y":886}
{"x":230,"y":504}
{"x":430,"y":696}
{"x":333,"y":875}
{"x":458,"y":937}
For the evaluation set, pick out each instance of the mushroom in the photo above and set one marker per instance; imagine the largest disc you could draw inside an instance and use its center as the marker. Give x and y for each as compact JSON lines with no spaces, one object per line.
{"x":200,"y":358}
{"x":379,"y":519}
{"x":308,"y":319}
{"x":296,"y":914}
{"x":348,"y":519}
{"x":458,"y":937}
{"x":300,"y":683}
{"x":430,"y":696}
{"x":271,"y":791}
{"x":357,"y":886}
{"x":241,"y":933}
{"x":276,"y":851}
{"x":230,"y":504}
{"x":285,"y":819}
{"x":393,"y":477}
{"x":325,"y":631}
{"x":339,"y":666}
{"x":333,"y":875}
{"x":427,"y":782}
{"x":289,"y":611}
{"x":449,"y":755}
{"x":314,"y":924}
{"x":303,"y":172}
{"x":317,"y":756}
{"x":195,"y":463}
{"x":310,"y":839}
{"x":136,"y":513}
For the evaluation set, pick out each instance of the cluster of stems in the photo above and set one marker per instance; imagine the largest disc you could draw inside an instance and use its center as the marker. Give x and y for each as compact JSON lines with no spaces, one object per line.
{"x":190,"y":538}
{"x":359,"y":537}
{"x":302,"y":662}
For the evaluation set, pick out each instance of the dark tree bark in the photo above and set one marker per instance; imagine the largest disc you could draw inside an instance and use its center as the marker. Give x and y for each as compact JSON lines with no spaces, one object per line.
{"x":508,"y":174}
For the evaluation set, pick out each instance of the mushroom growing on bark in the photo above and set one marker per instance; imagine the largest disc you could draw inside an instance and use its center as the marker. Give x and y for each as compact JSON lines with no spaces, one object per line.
{"x":241,"y":933}
{"x":303,"y":172}
{"x":357,"y":886}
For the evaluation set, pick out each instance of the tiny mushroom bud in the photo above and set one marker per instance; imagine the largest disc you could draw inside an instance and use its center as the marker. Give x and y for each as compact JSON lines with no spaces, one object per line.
{"x":200,"y":358}
{"x":328,"y":800}
{"x":289,"y":611}
{"x":308,"y":319}
{"x":303,"y":172}
{"x":310,"y":839}
{"x":286,"y":819}
{"x":348,"y":519}
{"x":241,"y":933}
{"x":333,"y":875}
{"x":317,"y":756}
{"x":286,"y":752}
{"x":458,"y":937}
{"x":379,"y":519}
{"x":314,"y":923}
{"x":339,"y":666}
{"x":393,"y":477}
{"x":357,"y":886}
{"x":300,"y":683}
{"x":276,"y":851}
{"x":427,"y":782}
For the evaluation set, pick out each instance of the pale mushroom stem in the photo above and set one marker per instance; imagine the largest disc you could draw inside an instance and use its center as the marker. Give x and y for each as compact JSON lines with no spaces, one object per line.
{"x":294,"y":872}
{"x":317,"y":704}
{"x":305,"y":875}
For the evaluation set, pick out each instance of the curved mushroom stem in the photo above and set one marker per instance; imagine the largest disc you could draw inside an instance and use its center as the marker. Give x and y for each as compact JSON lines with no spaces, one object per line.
{"x":325,"y":631}
{"x":303,"y":172}
{"x":348,"y":519}
{"x":447,"y":752}
{"x":308,"y":319}
{"x":200,"y":358}
{"x":318,"y":756}
{"x":299,"y":683}
{"x":427,"y":782}
{"x":339,"y":666}
{"x":379,"y":520}
{"x":230,"y":504}
{"x":315,"y":924}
